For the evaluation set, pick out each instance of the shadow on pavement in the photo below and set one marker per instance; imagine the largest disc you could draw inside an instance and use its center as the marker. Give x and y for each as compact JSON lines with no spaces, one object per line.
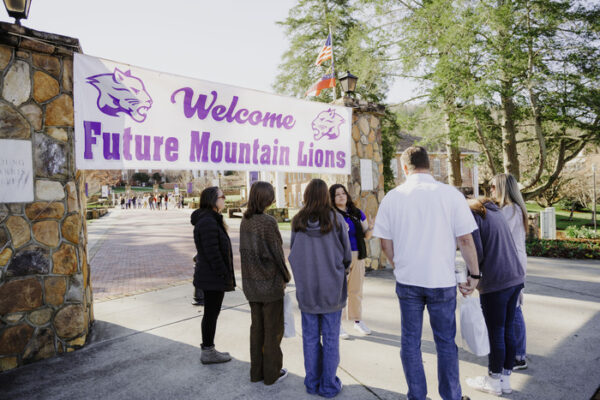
{"x":121,"y":363}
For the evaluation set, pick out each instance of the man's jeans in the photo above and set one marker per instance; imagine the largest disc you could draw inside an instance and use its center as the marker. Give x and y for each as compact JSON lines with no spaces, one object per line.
{"x":499,"y":312}
{"x":321,"y":360}
{"x":441,"y":305}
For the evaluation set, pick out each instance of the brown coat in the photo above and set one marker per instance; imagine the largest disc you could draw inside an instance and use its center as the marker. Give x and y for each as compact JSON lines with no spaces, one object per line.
{"x":264,"y":273}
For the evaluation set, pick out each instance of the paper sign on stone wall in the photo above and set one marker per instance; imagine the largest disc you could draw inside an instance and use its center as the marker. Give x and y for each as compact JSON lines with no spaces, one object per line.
{"x":128,"y":117}
{"x":16,"y":171}
{"x":366,"y":174}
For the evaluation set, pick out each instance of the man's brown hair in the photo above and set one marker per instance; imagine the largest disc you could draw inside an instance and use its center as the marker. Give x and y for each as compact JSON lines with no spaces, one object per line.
{"x":415,"y":157}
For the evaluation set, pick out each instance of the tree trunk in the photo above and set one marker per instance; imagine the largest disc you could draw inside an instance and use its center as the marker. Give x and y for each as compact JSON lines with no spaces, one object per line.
{"x":453,"y":153}
{"x":486,"y":150}
{"x":509,"y":133}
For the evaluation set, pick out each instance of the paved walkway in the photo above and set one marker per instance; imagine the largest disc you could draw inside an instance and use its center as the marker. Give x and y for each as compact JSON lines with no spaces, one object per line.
{"x":146,"y":346}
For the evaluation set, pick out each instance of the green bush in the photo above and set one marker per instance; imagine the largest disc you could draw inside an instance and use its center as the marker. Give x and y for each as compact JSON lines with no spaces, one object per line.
{"x":582,"y":248}
{"x":581,"y":232}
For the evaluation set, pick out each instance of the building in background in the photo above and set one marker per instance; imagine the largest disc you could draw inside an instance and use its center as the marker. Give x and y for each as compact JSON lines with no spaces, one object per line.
{"x":439,"y":163}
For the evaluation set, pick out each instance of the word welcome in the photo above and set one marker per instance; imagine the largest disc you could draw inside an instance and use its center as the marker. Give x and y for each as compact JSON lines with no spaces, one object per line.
{"x":229,"y":114}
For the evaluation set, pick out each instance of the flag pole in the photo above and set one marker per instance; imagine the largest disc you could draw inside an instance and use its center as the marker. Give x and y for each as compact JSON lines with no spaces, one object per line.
{"x":332,"y":66}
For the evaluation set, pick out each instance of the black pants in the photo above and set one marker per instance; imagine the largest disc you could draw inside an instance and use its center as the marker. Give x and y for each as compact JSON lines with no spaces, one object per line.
{"x":212,"y":307}
{"x":266,"y":333}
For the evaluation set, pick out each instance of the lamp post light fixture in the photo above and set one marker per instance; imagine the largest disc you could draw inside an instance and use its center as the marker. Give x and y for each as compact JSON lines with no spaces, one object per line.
{"x":348,"y":82}
{"x":18,"y":9}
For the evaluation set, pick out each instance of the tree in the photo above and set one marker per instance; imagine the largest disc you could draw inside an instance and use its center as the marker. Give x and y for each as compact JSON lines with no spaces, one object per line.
{"x":528,"y":70}
{"x":156,"y":177}
{"x":355,"y":49}
{"x":140,"y":177}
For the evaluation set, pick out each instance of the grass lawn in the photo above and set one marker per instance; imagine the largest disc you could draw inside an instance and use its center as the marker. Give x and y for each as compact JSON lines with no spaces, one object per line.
{"x":562,"y":216}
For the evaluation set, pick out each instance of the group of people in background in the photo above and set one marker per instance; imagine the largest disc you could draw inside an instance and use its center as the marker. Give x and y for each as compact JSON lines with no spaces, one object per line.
{"x":151,"y":201}
{"x":420,"y":224}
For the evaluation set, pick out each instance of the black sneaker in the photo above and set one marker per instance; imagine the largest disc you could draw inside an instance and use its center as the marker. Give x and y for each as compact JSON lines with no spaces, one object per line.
{"x":198,"y":302}
{"x":520,"y":364}
{"x":465,"y":398}
{"x":282,"y":375}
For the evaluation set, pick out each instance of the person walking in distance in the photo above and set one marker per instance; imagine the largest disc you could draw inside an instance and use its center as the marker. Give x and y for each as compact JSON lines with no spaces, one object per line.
{"x":420,"y":223}
{"x":264,"y":276}
{"x":359,"y":230}
{"x":214,"y":268}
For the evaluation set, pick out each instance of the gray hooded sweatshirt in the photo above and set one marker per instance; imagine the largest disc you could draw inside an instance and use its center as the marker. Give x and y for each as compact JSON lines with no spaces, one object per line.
{"x":319,"y":263}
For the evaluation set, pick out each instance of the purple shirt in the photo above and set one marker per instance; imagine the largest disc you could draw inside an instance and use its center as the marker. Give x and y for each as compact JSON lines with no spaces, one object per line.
{"x":352,"y":230}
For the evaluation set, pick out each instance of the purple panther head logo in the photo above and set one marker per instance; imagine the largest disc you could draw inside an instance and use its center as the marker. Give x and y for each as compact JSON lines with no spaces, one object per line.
{"x":327,"y":124}
{"x":121,"y":92}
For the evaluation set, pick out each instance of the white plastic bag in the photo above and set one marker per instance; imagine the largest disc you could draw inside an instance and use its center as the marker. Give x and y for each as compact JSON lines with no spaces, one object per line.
{"x":472,"y":327}
{"x":289,"y":327}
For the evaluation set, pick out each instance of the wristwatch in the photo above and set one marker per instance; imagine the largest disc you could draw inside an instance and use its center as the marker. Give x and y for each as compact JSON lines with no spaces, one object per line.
{"x":476,"y":276}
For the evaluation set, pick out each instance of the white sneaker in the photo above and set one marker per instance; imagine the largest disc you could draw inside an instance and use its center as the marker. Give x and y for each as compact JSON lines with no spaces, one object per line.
{"x":505,"y":384}
{"x":485,"y":384}
{"x":362,"y":328}
{"x":343,"y":334}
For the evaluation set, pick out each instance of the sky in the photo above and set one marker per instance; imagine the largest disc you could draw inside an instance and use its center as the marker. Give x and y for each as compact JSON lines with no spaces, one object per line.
{"x":236,"y":42}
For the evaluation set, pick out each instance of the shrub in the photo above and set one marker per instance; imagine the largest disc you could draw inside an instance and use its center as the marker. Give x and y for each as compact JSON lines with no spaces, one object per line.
{"x":581,"y":232}
{"x":582,"y":248}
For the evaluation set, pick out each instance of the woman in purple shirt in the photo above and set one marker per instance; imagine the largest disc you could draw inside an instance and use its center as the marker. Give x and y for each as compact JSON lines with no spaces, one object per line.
{"x":358,"y":230}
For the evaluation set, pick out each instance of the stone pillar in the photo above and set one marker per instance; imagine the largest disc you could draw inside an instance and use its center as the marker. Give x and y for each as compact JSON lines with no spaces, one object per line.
{"x":366,"y":145}
{"x":45,"y":292}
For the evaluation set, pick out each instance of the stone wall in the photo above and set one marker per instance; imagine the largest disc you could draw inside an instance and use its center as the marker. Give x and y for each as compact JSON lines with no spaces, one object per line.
{"x":45,"y":292}
{"x":366,"y":144}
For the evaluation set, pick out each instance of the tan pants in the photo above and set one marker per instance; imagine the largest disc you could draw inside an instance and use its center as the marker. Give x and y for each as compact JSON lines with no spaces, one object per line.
{"x":356,"y":278}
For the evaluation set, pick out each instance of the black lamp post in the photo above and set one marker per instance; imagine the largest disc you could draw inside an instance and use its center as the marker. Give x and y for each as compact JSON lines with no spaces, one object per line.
{"x":18,"y":9}
{"x":348,"y":82}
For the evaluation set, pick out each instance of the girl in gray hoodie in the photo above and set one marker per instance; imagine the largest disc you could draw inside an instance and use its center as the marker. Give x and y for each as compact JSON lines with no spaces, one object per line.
{"x":320,"y":255}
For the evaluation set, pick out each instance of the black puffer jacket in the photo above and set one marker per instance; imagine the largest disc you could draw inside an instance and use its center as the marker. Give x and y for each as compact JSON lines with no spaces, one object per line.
{"x":214,"y":261}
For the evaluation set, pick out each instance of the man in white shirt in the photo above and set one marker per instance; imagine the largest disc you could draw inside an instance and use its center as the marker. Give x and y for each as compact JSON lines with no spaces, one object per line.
{"x":420,"y":223}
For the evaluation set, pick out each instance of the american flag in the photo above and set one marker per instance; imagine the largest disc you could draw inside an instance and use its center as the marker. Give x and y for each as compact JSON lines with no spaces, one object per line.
{"x":326,"y":52}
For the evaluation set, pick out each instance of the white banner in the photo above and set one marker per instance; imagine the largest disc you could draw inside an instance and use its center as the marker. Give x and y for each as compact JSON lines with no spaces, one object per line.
{"x":128,"y":117}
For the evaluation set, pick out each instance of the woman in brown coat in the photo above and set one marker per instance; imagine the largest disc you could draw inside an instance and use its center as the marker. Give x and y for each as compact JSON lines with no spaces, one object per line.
{"x":264,"y":275}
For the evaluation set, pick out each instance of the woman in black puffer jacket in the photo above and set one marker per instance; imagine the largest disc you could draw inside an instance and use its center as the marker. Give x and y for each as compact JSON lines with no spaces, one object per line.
{"x":214,"y":267}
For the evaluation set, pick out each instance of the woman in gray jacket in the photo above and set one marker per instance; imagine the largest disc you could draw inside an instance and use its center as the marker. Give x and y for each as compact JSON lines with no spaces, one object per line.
{"x":320,"y":256}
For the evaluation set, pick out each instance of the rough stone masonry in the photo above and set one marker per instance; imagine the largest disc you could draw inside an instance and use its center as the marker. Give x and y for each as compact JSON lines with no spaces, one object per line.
{"x":45,"y":292}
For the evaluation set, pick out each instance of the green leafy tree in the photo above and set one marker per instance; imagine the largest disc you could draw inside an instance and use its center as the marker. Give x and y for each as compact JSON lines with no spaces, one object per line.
{"x":516,"y":75}
{"x":140,"y":177}
{"x":355,"y":49}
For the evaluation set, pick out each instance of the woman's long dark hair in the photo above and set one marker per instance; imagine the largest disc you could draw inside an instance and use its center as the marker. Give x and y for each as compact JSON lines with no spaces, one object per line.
{"x":209,"y":197}
{"x":317,"y":206}
{"x":350,"y":207}
{"x":261,"y":196}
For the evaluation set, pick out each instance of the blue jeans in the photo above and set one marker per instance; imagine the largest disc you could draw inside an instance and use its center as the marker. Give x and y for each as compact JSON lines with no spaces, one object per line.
{"x":441,"y":305}
{"x":499,"y":312}
{"x":520,"y":333}
{"x":321,"y":359}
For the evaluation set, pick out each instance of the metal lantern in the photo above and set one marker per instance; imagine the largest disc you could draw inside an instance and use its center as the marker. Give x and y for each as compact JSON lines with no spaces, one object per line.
{"x":18,"y":9}
{"x":348,"y":82}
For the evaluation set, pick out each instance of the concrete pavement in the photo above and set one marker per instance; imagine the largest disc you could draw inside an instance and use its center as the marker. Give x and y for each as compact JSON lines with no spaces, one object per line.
{"x":146,"y":346}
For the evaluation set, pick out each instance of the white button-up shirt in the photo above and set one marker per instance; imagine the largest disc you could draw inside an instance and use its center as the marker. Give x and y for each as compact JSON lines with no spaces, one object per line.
{"x":423,"y":218}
